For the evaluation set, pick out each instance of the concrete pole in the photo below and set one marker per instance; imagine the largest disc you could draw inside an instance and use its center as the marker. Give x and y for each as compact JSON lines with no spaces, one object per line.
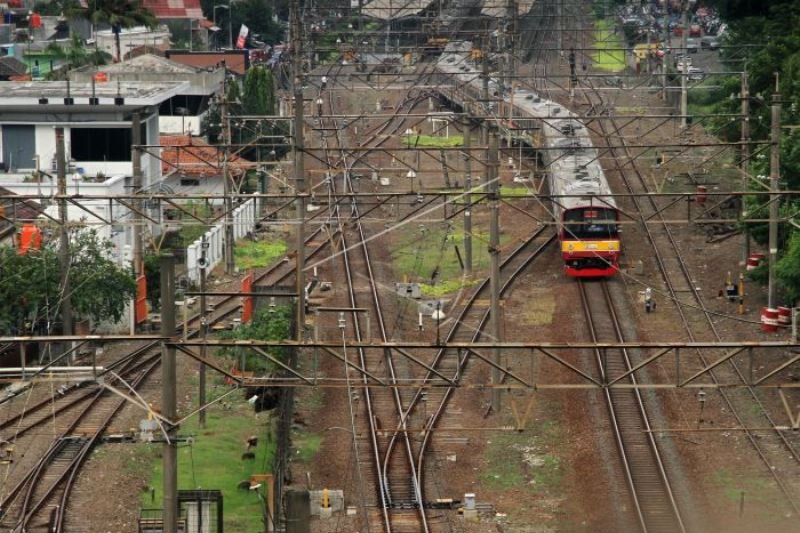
{"x":299,"y":170}
{"x":63,"y":245}
{"x":485,"y":78}
{"x":138,"y":245}
{"x":685,"y":73}
{"x":230,"y":25}
{"x":467,"y":200}
{"x":226,"y":180}
{"x":494,"y":255}
{"x":169,"y":396}
{"x":745,"y":161}
{"x":201,"y":397}
{"x":666,"y":57}
{"x":774,"y":186}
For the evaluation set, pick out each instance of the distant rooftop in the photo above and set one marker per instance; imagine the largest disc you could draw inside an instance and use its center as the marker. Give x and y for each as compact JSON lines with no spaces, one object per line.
{"x":236,"y":61}
{"x":175,"y":9}
{"x":146,"y":64}
{"x":192,"y":156}
{"x":29,"y":93}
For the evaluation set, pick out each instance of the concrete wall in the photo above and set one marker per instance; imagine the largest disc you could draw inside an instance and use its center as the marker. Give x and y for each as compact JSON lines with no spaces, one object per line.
{"x":188,"y":124}
{"x":244,"y":220}
{"x":130,"y":39}
{"x":199,"y":83}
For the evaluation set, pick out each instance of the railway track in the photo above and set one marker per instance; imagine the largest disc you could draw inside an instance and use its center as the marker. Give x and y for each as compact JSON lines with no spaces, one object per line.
{"x":394,"y":496}
{"x":40,"y":499}
{"x":653,"y":498}
{"x":777,"y":451}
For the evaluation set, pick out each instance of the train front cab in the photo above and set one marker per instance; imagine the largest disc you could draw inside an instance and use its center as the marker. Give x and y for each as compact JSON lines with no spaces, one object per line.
{"x":590,"y":243}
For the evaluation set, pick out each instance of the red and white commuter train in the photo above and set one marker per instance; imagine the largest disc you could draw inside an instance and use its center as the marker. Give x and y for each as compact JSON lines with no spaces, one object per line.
{"x":586,"y":215}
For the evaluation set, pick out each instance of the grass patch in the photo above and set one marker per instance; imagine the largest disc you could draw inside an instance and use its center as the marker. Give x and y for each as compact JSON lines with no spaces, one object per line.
{"x":609,"y":54}
{"x":434,"y":142}
{"x":523,"y":461}
{"x":515,"y":191}
{"x":306,"y":445}
{"x":446,"y":287}
{"x":257,"y":254}
{"x":213,"y":461}
{"x":757,"y":490}
{"x":427,"y":254}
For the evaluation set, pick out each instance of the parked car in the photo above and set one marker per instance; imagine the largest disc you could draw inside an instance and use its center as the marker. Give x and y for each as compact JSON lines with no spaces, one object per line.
{"x":692,"y":46}
{"x":682,"y":60}
{"x":696,"y":74}
{"x":710,"y":42}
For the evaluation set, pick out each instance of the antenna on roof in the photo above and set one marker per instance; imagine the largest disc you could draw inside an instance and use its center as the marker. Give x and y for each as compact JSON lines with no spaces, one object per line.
{"x":94,"y":100}
{"x":118,"y":100}
{"x":69,"y":100}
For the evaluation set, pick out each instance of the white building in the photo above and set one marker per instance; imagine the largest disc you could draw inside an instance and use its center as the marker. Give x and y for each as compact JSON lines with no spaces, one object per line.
{"x":97,"y":128}
{"x":130,"y":38}
{"x":184,"y":112}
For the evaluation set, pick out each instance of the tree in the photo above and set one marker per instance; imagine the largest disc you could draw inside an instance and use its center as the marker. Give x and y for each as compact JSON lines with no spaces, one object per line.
{"x":787,"y":270}
{"x":30,"y":292}
{"x":259,"y":92}
{"x":119,"y":14}
{"x":76,"y":55}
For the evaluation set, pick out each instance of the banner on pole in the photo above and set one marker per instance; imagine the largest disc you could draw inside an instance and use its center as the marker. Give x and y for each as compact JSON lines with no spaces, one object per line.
{"x":243,"y":31}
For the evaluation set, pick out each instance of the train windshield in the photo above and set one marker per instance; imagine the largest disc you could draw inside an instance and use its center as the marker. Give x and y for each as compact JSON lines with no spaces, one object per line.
{"x":590,"y":223}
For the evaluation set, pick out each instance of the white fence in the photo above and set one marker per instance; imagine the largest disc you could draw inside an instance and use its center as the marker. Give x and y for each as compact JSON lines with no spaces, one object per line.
{"x":244,"y":221}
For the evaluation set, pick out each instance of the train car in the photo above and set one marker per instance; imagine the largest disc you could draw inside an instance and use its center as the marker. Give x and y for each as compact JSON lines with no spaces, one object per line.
{"x":586,"y":215}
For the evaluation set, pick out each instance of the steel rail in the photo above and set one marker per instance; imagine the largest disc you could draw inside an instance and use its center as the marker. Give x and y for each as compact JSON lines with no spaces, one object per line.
{"x":689,"y":328}
{"x":645,"y":473}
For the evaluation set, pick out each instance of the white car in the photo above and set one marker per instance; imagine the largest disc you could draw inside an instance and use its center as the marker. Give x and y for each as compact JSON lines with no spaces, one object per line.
{"x":696,"y":73}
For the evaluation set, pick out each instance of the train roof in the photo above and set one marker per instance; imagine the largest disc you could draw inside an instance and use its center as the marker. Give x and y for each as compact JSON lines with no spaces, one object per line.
{"x":573,"y":163}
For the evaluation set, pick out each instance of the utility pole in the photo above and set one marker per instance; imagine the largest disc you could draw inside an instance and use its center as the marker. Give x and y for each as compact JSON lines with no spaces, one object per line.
{"x":138,"y":245}
{"x":485,"y":79}
{"x":665,"y":58}
{"x":494,"y":255}
{"x":201,"y":397}
{"x":774,"y":197}
{"x":226,"y":180}
{"x":63,"y":245}
{"x":299,"y":171}
{"x":467,"y":199}
{"x":169,"y":396}
{"x":685,"y":70}
{"x":745,"y":162}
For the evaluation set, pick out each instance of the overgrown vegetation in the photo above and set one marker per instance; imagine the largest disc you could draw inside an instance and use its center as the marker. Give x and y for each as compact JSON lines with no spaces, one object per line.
{"x":270,"y":323}
{"x":427,"y":255}
{"x":430,"y":141}
{"x":31,"y":295}
{"x":257,"y":254}
{"x":524,"y":461}
{"x":608,"y":51}
{"x":773,"y":26}
{"x":213,"y":460}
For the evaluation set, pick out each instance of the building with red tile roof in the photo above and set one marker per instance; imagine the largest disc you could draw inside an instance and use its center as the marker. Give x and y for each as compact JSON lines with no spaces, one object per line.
{"x":193,"y":157}
{"x":236,"y":61}
{"x":175,"y":9}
